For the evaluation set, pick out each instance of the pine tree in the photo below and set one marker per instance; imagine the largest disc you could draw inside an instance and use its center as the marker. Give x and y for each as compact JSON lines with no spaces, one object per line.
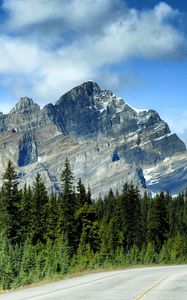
{"x":88,"y":226}
{"x":26,"y":203}
{"x":67,"y":206}
{"x":158,"y":227}
{"x":52,"y":217}
{"x":145,"y":206}
{"x":109,"y":205}
{"x":10,"y":205}
{"x":39,"y":211}
{"x":56,"y":257}
{"x":106,"y":232}
{"x":150,"y":254}
{"x":28,"y":263}
{"x":89,"y":196}
{"x":81,"y":194}
{"x":7,"y":275}
{"x":178,"y":248}
{"x":129,"y":216}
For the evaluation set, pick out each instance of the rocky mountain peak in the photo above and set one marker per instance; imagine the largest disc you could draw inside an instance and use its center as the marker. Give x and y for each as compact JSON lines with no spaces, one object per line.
{"x":24,"y":116}
{"x":81,"y":93}
{"x":90,"y":86}
{"x":101,"y":134}
{"x":25,"y":104}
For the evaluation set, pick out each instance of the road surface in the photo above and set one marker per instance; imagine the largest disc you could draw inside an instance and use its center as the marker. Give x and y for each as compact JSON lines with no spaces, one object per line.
{"x":154,"y":283}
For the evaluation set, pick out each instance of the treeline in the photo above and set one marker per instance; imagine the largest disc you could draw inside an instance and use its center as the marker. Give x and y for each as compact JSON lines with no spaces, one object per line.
{"x":45,"y":236}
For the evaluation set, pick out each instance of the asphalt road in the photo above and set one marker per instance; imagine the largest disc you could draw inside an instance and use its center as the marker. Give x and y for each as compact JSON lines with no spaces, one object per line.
{"x":158,"y":283}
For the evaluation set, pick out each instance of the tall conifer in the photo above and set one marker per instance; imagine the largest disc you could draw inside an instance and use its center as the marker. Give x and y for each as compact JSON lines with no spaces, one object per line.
{"x":67,"y":207}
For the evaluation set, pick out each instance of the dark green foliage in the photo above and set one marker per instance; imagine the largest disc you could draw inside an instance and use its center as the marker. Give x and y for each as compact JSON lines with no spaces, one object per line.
{"x":158,"y":227}
{"x":107,"y":248}
{"x":27,"y":268}
{"x":56,"y":257}
{"x":52,"y":213}
{"x":88,"y":227}
{"x":82,"y":196}
{"x":26,"y":203}
{"x":150,"y":255}
{"x":9,"y":205}
{"x":129,"y":216}
{"x":38,"y":211}
{"x":45,"y":236}
{"x":145,"y":207}
{"x":67,"y":208}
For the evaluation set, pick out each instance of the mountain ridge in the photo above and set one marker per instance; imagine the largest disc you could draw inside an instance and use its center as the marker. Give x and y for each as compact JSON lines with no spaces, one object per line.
{"x":107,"y":141}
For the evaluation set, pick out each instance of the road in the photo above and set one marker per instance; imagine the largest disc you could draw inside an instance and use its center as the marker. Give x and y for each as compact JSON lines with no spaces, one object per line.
{"x":154,"y":283}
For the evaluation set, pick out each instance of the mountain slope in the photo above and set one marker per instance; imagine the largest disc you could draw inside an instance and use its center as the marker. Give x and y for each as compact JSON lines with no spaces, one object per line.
{"x":107,"y":141}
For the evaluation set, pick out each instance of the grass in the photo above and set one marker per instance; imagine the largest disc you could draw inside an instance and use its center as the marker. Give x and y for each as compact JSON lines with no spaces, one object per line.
{"x":77,"y":273}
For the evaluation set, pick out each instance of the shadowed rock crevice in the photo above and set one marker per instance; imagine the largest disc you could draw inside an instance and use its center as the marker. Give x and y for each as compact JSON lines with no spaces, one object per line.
{"x":115,"y":156}
{"x":27,"y":149}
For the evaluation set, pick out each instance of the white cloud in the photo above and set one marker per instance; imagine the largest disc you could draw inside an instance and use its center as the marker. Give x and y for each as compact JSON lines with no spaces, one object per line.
{"x":45,"y":60}
{"x":5,"y":107}
{"x":18,"y":56}
{"x":136,"y":34}
{"x":164,"y":11}
{"x":72,"y":14}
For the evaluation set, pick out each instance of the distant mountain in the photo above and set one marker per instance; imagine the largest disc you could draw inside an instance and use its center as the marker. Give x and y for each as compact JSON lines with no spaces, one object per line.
{"x":106,"y":140}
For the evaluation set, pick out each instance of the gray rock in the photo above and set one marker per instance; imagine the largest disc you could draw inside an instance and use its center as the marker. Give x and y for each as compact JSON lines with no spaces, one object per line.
{"x":24,"y":116}
{"x":106,"y":140}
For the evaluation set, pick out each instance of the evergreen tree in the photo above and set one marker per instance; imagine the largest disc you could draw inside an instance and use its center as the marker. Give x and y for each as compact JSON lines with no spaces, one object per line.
{"x":10,"y":204}
{"x":150,"y":254}
{"x":109,"y":205}
{"x":158,"y":223}
{"x":81,"y":194}
{"x":129,"y":216}
{"x":89,"y":196}
{"x":28,"y":263}
{"x":67,"y":206}
{"x":7,"y":274}
{"x":107,"y":249}
{"x":38,"y":211}
{"x":145,"y":206}
{"x":57,"y":260}
{"x":88,"y":227}
{"x":99,"y":208}
{"x":52,"y":217}
{"x":26,"y":203}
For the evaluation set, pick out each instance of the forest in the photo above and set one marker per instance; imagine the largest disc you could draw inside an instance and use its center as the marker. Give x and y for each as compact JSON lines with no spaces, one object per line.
{"x":46,"y":236}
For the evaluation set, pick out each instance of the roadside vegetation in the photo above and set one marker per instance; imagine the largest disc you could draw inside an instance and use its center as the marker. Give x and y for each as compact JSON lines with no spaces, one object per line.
{"x":47,"y":236}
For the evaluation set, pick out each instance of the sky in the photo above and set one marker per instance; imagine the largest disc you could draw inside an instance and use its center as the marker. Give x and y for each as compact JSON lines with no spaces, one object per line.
{"x":136,"y":48}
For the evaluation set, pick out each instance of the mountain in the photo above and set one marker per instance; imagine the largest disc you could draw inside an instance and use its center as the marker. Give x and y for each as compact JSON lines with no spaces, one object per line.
{"x":107,"y":141}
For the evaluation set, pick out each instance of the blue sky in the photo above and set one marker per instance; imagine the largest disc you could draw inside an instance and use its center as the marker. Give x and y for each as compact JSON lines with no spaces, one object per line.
{"x":136,"y":48}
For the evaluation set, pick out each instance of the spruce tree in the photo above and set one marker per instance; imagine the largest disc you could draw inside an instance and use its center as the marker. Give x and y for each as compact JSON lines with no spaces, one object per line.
{"x":10,"y":205}
{"x":67,"y":206}
{"x":145,"y":206}
{"x":109,"y":205}
{"x":52,"y":217}
{"x":88,"y":227}
{"x":26,"y":203}
{"x":38,"y":211}
{"x":129,"y":216}
{"x":81,"y":194}
{"x":158,"y":226}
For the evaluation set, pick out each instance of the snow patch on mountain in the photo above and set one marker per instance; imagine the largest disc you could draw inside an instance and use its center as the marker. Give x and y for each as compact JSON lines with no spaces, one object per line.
{"x":137,"y":110}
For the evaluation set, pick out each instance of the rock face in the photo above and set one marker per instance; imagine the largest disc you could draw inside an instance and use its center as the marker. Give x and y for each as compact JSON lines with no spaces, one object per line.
{"x":107,"y":141}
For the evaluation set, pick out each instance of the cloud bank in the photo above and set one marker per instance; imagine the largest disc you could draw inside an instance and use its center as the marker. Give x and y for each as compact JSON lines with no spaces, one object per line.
{"x":50,"y":46}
